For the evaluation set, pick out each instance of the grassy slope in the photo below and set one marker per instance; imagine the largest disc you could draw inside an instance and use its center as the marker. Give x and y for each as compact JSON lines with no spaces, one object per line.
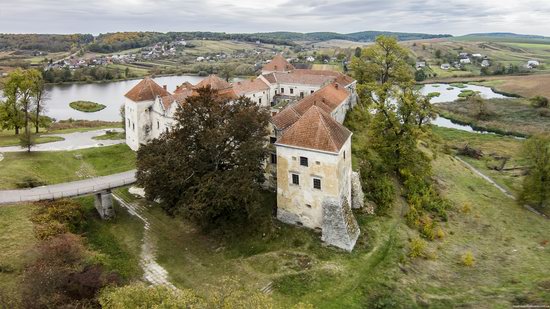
{"x":55,"y":167}
{"x":111,"y":135}
{"x":118,"y":240}
{"x":16,"y":239}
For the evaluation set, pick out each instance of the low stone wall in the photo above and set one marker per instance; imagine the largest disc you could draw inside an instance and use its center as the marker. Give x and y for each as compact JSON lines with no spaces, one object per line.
{"x":340,"y":229}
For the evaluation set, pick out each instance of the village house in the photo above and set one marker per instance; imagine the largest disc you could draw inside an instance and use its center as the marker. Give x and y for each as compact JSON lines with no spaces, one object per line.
{"x":310,"y":162}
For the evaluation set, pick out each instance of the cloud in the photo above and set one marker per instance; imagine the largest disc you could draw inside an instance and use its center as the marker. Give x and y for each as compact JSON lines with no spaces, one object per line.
{"x":431,"y":16}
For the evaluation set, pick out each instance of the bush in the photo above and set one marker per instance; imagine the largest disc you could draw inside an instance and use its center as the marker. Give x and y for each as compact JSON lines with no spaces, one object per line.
{"x":468,"y":259}
{"x":417,"y":248}
{"x":29,"y":182}
{"x":466,"y":207}
{"x":86,"y":106}
{"x":53,"y":218}
{"x":539,"y":101}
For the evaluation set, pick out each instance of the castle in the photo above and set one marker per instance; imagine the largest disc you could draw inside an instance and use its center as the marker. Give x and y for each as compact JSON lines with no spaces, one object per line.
{"x":310,"y":161}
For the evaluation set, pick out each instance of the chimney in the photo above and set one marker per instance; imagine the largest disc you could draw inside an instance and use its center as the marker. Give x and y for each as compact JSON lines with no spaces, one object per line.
{"x":165,"y":87}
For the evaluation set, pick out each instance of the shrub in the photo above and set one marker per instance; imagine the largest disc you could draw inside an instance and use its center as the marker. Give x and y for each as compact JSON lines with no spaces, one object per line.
{"x":539,"y":101}
{"x":427,"y":227}
{"x":417,"y":248}
{"x":468,"y":259}
{"x":53,"y":218}
{"x":466,"y":207}
{"x":29,"y":182}
{"x":544,"y":112}
{"x":439,"y":233}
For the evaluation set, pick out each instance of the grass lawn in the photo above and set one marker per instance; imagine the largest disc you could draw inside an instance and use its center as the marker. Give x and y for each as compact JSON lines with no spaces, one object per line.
{"x":117,"y":240}
{"x":8,"y":138}
{"x":16,"y":239}
{"x":86,"y":106}
{"x":63,"y":166}
{"x":507,"y":115}
{"x":111,"y":135}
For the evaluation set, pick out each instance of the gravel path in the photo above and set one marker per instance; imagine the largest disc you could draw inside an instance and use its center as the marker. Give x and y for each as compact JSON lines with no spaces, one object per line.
{"x":73,"y":141}
{"x":152,"y":271}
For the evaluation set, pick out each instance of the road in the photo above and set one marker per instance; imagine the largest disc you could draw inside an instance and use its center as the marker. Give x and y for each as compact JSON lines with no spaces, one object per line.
{"x":68,"y":189}
{"x":72,"y":141}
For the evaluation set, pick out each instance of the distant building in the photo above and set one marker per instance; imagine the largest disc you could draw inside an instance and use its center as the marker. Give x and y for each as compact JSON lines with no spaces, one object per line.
{"x":310,"y":59}
{"x":420,"y":65}
{"x":477,"y":56}
{"x":465,"y":61}
{"x":445,"y":66}
{"x":533,"y":64}
{"x":485,"y":63}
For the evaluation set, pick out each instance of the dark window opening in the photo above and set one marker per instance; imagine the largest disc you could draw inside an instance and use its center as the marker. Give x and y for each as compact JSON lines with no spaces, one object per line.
{"x":295,"y":179}
{"x":308,"y":206}
{"x":317,"y":183}
{"x":273,"y":158}
{"x":303,"y":161}
{"x":272,"y":139}
{"x":282,"y":90}
{"x":291,"y":91}
{"x":312,"y":91}
{"x":344,"y":154}
{"x":301,"y":94}
{"x":260,"y":101}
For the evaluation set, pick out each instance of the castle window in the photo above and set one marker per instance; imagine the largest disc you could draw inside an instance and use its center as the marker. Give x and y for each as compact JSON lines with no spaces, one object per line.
{"x":344,"y":154}
{"x":133,"y":126}
{"x":282,"y":90}
{"x":272,"y":139}
{"x":291,"y":91}
{"x":295,"y":179}
{"x":259,"y":100}
{"x":158,"y":125}
{"x":318,"y":162}
{"x":303,"y":161}
{"x":312,"y":91}
{"x":273,"y":158}
{"x":316,"y":183}
{"x":308,"y":206}
{"x":301,"y":94}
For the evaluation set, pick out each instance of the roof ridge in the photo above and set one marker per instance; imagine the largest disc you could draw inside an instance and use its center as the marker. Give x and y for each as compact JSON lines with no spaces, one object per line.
{"x":325,"y":125}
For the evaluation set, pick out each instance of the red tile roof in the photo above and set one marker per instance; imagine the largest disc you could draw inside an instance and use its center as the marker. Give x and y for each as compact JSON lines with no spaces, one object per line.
{"x":178,"y":97}
{"x":278,"y":64}
{"x":327,"y":98}
{"x":183,"y":87}
{"x":214,"y":82}
{"x":248,"y":86}
{"x":146,"y":90}
{"x":316,"y":130}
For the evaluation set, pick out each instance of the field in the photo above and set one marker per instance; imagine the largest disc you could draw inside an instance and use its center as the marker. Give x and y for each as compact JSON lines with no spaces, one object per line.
{"x":515,"y":116}
{"x":63,"y":166}
{"x":8,"y":138}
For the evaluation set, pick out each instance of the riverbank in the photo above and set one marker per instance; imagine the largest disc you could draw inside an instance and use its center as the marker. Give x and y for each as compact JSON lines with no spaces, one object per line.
{"x":514,"y":117}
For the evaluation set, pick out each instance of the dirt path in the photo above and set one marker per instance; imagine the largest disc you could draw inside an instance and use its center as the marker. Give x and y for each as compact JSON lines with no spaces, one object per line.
{"x":152,"y":271}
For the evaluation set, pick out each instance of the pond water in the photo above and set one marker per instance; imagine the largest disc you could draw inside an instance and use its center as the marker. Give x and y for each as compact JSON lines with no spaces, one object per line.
{"x":110,"y":94}
{"x":448,"y":93}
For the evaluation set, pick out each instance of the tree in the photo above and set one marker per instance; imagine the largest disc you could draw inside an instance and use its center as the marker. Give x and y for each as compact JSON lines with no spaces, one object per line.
{"x":122,"y":112}
{"x":536,"y":185}
{"x":209,"y":166}
{"x":419,"y":75}
{"x":479,"y":107}
{"x":39,"y":95}
{"x":357,"y":52}
{"x":438,"y":53}
{"x":227,"y":70}
{"x":401,"y":118}
{"x":27,"y":140}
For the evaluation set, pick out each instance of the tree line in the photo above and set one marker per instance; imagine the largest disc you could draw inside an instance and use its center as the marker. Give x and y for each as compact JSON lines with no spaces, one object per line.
{"x":23,"y":104}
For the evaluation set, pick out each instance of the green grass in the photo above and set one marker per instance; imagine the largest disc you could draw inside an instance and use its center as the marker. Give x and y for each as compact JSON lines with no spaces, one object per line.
{"x":118,"y":240}
{"x":86,"y":106}
{"x":16,"y":239}
{"x":515,"y":116}
{"x":8,"y":138}
{"x":63,"y":166}
{"x":111,"y":135}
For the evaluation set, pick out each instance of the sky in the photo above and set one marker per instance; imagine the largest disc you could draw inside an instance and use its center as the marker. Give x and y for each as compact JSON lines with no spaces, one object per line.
{"x":455,"y":17}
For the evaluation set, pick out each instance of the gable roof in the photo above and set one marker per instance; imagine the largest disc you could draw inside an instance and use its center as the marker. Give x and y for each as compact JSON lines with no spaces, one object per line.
{"x":248,"y":86}
{"x":183,"y":87}
{"x":278,"y":64}
{"x":146,"y":90}
{"x":214,"y":82}
{"x":316,"y":130}
{"x":178,"y":97}
{"x":327,"y":98}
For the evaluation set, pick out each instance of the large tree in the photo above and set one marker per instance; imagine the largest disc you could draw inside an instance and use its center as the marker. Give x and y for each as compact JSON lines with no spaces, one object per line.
{"x":400,"y":115}
{"x":536,"y":185}
{"x":209,"y":165}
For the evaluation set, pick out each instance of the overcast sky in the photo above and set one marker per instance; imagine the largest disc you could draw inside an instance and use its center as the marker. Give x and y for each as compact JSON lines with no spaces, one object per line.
{"x":430,"y":16}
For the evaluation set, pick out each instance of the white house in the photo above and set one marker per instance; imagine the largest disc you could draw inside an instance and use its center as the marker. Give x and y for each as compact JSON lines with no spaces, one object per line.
{"x":310,"y":59}
{"x":485,"y":63}
{"x":445,"y":66}
{"x":465,"y":61}
{"x":477,"y":56}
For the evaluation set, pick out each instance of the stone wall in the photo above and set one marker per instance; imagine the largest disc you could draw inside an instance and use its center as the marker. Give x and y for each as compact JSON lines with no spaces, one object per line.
{"x":340,"y":229}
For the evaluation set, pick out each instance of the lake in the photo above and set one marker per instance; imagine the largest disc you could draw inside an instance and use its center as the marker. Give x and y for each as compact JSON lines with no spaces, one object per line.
{"x":110,"y":94}
{"x":449,"y":93}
